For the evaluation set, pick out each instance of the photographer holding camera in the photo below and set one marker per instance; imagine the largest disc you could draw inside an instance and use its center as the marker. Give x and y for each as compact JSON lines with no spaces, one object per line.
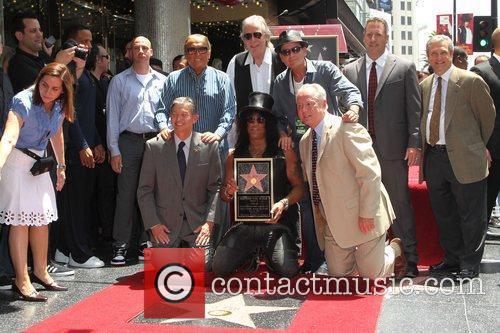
{"x":83,"y":151}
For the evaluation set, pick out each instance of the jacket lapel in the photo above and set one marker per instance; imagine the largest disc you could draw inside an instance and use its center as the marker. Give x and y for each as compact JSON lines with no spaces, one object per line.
{"x":451,"y":97}
{"x":361,"y":84}
{"x":325,"y":135}
{"x":170,"y":156}
{"x":194,"y":157}
{"x":495,"y":66}
{"x":426,"y":96}
{"x":390,"y":63}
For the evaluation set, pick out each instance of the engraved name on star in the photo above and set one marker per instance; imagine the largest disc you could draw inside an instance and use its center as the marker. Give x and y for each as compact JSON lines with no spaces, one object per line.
{"x":253,"y":179}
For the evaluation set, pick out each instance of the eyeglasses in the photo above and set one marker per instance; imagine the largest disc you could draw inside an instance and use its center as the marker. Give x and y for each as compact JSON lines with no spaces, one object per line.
{"x":256,"y":119}
{"x":256,"y":35}
{"x":199,"y":50}
{"x":105,"y":56}
{"x":294,"y":50}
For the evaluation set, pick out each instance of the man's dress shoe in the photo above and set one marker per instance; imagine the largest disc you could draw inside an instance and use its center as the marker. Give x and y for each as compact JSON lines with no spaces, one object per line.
{"x":443,"y":267}
{"x":466,"y":274}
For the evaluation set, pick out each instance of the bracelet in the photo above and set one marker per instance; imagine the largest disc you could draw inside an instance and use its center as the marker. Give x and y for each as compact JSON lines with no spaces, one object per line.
{"x":61,"y":167}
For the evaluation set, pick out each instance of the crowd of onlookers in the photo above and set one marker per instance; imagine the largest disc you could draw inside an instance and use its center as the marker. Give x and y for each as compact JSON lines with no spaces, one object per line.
{"x":145,"y":158}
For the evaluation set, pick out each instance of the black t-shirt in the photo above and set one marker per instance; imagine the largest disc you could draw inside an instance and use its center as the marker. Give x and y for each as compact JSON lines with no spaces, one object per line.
{"x":24,"y":69}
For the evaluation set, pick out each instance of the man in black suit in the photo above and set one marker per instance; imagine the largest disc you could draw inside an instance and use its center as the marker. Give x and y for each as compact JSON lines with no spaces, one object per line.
{"x":490,"y":72}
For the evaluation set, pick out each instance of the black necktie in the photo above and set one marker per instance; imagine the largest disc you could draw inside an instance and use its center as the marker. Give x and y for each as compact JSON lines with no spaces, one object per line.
{"x":181,"y":159}
{"x":314,"y":155}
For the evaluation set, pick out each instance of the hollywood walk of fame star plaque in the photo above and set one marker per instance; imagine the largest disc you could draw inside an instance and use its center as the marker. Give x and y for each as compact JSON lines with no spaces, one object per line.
{"x":254,"y":199}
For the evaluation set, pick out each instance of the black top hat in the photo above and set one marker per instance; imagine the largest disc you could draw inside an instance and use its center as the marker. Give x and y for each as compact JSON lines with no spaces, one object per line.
{"x":258,"y":101}
{"x":288,"y":36}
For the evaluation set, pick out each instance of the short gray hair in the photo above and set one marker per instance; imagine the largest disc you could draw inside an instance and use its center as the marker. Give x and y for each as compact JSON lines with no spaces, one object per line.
{"x":258,"y":21}
{"x":316,"y":91}
{"x":184,"y":101}
{"x":439,"y":39}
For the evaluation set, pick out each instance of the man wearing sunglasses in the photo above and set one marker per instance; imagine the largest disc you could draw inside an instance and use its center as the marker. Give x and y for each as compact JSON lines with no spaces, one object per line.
{"x":256,"y":68}
{"x":341,"y":94}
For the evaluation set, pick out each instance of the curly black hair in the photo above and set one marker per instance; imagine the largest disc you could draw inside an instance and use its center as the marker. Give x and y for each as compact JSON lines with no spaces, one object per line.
{"x":243,"y":142}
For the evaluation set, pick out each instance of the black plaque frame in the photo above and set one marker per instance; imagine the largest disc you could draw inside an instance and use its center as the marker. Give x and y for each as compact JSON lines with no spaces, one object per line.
{"x":246,"y":209}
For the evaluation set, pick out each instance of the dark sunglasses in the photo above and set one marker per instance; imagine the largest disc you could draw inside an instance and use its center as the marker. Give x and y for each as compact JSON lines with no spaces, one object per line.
{"x":256,"y":119}
{"x":256,"y":35}
{"x":199,"y":50}
{"x":294,"y":50}
{"x":105,"y":56}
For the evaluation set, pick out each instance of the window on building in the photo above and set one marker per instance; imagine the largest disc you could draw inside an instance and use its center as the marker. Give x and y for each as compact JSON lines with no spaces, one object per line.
{"x":410,"y":50}
{"x":408,"y":5}
{"x":408,"y":20}
{"x":402,"y":5}
{"x":403,"y":20}
{"x":403,"y":49}
{"x":409,"y":35}
{"x":392,"y":49}
{"x":403,"y":35}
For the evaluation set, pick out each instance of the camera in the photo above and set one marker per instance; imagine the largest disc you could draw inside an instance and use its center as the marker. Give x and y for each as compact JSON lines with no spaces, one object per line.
{"x":79,"y":52}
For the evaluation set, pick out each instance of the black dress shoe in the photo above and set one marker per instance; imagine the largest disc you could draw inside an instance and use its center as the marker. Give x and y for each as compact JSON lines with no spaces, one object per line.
{"x":411,"y":270}
{"x":33,"y":297}
{"x":444,"y":268}
{"x":466,"y":274}
{"x":50,"y":287}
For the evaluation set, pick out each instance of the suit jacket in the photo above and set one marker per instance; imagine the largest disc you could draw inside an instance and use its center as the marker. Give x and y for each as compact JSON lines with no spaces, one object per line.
{"x":162,"y":197}
{"x":469,"y":121}
{"x":349,"y":182}
{"x":339,"y":91}
{"x":490,"y":72}
{"x":397,"y":105}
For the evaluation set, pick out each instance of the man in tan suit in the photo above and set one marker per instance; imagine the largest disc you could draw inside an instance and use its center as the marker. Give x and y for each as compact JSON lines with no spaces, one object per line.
{"x":179,"y":185}
{"x":351,"y":208}
{"x":458,"y":117}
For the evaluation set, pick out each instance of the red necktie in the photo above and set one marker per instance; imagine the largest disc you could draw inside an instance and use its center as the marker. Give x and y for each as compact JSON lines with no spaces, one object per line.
{"x":314,"y":155}
{"x":372,"y":89}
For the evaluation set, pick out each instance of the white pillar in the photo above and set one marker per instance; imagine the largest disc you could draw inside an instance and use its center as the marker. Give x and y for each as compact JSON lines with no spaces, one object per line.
{"x":166,"y":23}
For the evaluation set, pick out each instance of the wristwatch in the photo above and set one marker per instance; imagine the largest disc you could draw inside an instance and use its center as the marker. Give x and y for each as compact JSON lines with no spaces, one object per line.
{"x":61,"y":167}
{"x":285,"y":203}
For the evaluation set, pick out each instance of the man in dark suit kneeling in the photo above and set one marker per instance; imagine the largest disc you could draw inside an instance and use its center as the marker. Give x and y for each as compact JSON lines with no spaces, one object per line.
{"x":179,"y":184}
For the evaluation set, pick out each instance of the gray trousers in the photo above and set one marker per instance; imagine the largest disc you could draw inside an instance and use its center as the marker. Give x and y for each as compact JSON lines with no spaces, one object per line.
{"x":127,"y":221}
{"x":395,"y":180}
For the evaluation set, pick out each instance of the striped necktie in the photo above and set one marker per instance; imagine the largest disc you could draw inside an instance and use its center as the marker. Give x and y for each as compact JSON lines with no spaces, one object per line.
{"x":314,"y":154}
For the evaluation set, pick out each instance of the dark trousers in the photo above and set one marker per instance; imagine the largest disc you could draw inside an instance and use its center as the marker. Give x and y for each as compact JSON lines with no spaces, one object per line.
{"x":76,"y":210}
{"x":104,"y":202}
{"x":242,"y":240}
{"x":6,"y":268}
{"x":493,"y":186}
{"x":127,"y":221}
{"x":395,"y":180}
{"x":460,"y":211}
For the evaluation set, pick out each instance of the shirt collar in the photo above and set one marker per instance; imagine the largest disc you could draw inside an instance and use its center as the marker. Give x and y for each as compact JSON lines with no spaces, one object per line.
{"x":187,"y":141}
{"x":268,"y":57}
{"x":310,"y":67}
{"x":447,"y":74}
{"x":380,"y":60}
{"x":193,"y":73}
{"x":319,"y":128}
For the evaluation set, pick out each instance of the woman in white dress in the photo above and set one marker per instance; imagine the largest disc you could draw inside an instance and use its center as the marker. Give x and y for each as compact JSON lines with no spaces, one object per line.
{"x":27,"y":202}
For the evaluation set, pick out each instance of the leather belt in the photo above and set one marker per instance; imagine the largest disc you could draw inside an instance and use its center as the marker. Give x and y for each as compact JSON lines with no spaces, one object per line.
{"x":437,"y":147}
{"x":145,"y":136}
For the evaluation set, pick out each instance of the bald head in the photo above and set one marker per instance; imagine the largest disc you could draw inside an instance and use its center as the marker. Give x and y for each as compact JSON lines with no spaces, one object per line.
{"x":141,"y":40}
{"x":141,"y":53}
{"x":495,"y":39}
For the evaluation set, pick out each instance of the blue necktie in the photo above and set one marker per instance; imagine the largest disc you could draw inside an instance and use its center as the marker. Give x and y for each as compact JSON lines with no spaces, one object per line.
{"x":314,"y":155}
{"x":181,"y":159}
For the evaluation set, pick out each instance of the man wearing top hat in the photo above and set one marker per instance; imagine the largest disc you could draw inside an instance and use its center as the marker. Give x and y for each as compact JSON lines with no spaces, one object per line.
{"x":344,"y":99}
{"x":258,"y":137}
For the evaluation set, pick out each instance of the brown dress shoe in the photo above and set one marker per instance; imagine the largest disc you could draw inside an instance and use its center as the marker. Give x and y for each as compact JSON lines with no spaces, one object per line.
{"x":50,"y":287}
{"x":399,"y":261}
{"x":32,"y":297}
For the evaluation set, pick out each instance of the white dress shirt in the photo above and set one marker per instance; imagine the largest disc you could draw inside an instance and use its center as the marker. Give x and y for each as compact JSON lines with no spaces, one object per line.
{"x":186,"y":146}
{"x":444,"y":86}
{"x":380,"y":63}
{"x":260,"y":75}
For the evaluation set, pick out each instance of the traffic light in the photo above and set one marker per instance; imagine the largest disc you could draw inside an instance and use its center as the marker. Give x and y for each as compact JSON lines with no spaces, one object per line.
{"x":483,"y":28}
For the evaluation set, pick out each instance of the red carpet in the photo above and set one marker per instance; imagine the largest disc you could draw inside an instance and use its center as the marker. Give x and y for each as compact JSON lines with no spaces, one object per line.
{"x":428,"y":247}
{"x":114,"y":308}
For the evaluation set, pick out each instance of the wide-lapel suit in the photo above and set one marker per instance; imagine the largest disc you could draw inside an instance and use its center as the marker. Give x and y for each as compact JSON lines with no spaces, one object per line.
{"x":349,"y":183}
{"x":397,"y":106}
{"x":456,"y":172}
{"x":163,"y":198}
{"x":490,"y":72}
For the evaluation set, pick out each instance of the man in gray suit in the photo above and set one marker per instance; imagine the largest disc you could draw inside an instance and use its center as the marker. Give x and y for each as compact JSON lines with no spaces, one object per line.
{"x":179,"y":185}
{"x":389,"y":87}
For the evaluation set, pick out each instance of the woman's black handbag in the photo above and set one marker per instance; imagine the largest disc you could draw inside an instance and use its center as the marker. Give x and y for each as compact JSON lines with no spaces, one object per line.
{"x":42,"y":164}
